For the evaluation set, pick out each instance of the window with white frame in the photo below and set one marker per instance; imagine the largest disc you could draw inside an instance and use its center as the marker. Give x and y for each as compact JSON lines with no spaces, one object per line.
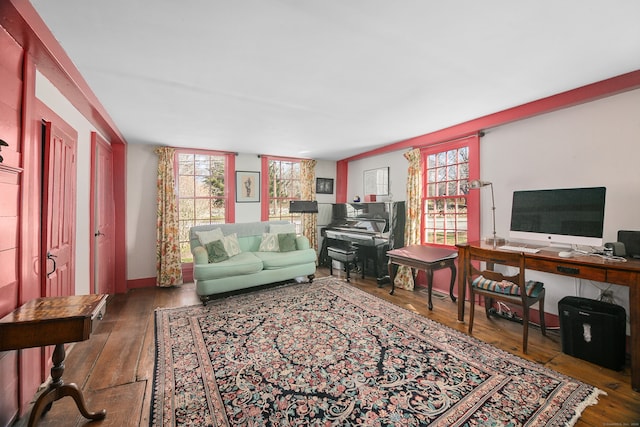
{"x":446,"y":217}
{"x":284,"y":186}
{"x":200,"y":184}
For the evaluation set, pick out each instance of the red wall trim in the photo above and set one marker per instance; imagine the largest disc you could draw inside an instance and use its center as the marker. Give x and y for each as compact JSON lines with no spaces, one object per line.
{"x":147,"y":282}
{"x":120,"y":219}
{"x":24,"y":24}
{"x":342,"y":176}
{"x":591,"y":92}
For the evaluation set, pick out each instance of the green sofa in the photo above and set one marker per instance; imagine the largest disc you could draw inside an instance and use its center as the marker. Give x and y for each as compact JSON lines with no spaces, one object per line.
{"x":251,"y":266}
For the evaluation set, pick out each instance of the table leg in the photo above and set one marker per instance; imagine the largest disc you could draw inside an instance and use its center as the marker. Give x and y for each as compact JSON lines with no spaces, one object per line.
{"x":393,"y":270}
{"x":57,"y":390}
{"x":452,"y":267}
{"x":429,"y":272}
{"x":462,"y":278}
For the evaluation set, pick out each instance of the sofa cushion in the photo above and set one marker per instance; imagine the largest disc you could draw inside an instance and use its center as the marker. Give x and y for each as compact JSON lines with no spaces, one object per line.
{"x":274,"y":260}
{"x":216,"y":251}
{"x":243,"y":263}
{"x":532,"y":287}
{"x":287,"y":242}
{"x":231,"y":245}
{"x":207,"y":236}
{"x":269,"y":243}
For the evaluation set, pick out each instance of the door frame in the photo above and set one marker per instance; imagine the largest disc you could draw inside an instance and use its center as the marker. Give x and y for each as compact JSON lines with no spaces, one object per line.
{"x":97,"y":140}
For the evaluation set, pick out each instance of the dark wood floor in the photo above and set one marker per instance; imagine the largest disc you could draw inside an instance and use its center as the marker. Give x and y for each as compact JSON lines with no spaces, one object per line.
{"x":115,"y":366}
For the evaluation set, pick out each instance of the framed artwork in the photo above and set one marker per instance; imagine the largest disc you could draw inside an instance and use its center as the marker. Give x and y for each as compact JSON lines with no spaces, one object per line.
{"x":376,"y":181}
{"x":324,"y":186}
{"x":247,"y":187}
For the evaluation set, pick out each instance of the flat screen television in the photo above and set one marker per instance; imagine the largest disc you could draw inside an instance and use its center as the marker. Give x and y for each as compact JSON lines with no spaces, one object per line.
{"x":566,"y":216}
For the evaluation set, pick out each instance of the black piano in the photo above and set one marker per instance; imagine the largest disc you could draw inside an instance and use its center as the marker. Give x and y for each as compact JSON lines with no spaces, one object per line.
{"x":370,"y":228}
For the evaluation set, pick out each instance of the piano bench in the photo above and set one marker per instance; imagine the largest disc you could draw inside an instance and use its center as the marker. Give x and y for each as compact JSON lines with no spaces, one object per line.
{"x":345,"y":256}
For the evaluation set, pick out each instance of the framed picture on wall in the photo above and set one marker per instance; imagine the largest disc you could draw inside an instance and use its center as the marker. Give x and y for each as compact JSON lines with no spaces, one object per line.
{"x":376,"y":181}
{"x":324,"y":186}
{"x":247,"y":186}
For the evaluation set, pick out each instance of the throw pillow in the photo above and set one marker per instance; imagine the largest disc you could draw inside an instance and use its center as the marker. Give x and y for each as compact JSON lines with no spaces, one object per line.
{"x":209,"y":236}
{"x":231,"y":244}
{"x":269,"y":243}
{"x":282,"y":228}
{"x":287,"y":242}
{"x":216,"y":251}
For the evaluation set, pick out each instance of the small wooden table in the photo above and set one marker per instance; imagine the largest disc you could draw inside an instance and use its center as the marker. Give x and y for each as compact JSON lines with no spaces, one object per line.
{"x":425,"y":258}
{"x":54,"y":321}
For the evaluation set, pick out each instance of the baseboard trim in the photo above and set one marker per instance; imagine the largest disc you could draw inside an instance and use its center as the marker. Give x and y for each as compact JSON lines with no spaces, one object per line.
{"x":147,"y":282}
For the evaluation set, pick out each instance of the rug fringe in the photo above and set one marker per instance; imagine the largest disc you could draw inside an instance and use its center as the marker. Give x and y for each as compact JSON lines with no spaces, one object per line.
{"x":590,"y":400}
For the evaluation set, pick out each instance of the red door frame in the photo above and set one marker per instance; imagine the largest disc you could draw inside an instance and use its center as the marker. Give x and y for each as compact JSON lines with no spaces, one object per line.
{"x":98,"y":143}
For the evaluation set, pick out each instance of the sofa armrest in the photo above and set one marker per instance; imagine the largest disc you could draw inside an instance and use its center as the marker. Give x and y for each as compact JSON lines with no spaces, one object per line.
{"x":200,"y":255}
{"x":302,"y":242}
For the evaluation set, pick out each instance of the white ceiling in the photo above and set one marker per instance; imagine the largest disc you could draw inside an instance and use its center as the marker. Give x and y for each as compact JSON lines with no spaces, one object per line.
{"x":328,"y":79}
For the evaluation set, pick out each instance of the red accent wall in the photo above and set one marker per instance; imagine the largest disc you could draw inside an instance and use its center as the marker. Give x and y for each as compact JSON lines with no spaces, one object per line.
{"x":10,"y":211}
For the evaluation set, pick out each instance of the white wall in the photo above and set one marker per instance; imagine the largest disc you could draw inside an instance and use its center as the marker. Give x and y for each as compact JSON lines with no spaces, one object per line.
{"x":398,"y":167}
{"x":50,"y":96}
{"x":142,"y":170}
{"x":142,"y":173}
{"x":594,"y":144}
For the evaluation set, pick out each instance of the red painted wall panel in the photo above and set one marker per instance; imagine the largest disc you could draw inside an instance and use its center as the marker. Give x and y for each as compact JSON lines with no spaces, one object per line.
{"x":8,"y":233}
{"x":11,"y":87}
{"x":9,"y":400}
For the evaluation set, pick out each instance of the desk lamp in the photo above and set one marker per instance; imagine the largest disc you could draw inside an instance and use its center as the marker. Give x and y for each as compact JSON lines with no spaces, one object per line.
{"x":476,"y":184}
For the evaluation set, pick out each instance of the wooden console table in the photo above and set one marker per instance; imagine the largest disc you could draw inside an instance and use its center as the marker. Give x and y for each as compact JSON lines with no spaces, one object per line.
{"x":54,"y":321}
{"x":426,"y":258}
{"x":582,"y":267}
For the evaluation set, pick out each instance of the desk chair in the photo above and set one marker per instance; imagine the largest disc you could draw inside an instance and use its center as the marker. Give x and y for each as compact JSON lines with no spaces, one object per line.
{"x":493,"y":285}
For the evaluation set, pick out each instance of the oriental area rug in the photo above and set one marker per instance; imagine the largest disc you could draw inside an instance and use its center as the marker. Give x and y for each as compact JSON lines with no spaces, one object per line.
{"x":328,"y":354}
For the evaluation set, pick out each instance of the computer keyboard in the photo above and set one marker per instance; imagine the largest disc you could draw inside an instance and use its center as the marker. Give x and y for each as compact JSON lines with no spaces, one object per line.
{"x":520,"y":249}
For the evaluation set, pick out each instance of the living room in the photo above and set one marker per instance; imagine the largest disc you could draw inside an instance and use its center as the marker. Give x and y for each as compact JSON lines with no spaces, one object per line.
{"x":592,"y":141}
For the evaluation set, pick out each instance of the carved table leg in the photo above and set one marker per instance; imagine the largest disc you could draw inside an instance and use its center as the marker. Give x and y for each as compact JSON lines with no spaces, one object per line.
{"x":452,"y":267}
{"x":429,"y":272}
{"x":57,"y":390}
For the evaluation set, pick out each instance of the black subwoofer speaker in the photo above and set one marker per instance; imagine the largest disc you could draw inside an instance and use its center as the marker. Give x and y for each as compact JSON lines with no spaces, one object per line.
{"x":593,"y":330}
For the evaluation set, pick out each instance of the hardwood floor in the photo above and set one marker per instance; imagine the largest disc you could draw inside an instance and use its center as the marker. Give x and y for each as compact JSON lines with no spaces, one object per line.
{"x":115,"y":367}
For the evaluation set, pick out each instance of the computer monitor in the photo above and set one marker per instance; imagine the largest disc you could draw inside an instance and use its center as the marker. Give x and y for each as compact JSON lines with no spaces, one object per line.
{"x":567,"y":216}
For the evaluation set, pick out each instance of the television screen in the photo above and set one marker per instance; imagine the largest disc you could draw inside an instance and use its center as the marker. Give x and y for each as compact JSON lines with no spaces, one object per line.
{"x":570,"y":215}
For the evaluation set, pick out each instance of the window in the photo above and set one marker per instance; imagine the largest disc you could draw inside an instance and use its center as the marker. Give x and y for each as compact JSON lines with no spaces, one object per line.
{"x":202,"y":199}
{"x":447,"y":220}
{"x":284,"y":186}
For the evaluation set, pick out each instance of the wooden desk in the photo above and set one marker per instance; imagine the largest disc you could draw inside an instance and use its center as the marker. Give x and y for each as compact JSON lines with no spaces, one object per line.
{"x":54,"y":321}
{"x":583,"y":267}
{"x":426,"y":258}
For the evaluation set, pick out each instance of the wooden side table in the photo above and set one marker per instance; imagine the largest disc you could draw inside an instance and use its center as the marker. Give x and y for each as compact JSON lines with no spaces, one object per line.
{"x":54,"y":321}
{"x":426,"y":258}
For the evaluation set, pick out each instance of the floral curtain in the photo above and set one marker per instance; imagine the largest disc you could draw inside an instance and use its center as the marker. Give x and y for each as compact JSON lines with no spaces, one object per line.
{"x":168,"y":262}
{"x":404,"y":279}
{"x":309,"y":221}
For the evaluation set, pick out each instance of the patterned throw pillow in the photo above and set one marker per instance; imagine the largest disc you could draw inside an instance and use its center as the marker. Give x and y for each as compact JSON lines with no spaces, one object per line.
{"x":209,"y":236}
{"x":231,"y":244}
{"x":287,"y":242}
{"x":269,"y":243}
{"x":216,"y":251}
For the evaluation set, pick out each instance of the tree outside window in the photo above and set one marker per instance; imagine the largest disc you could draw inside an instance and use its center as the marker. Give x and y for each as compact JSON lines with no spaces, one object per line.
{"x":284,"y":186}
{"x":200,"y":186}
{"x":445,"y":220}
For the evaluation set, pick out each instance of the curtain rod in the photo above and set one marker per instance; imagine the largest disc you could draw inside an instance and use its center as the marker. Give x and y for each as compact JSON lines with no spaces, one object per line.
{"x":479,"y":134}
